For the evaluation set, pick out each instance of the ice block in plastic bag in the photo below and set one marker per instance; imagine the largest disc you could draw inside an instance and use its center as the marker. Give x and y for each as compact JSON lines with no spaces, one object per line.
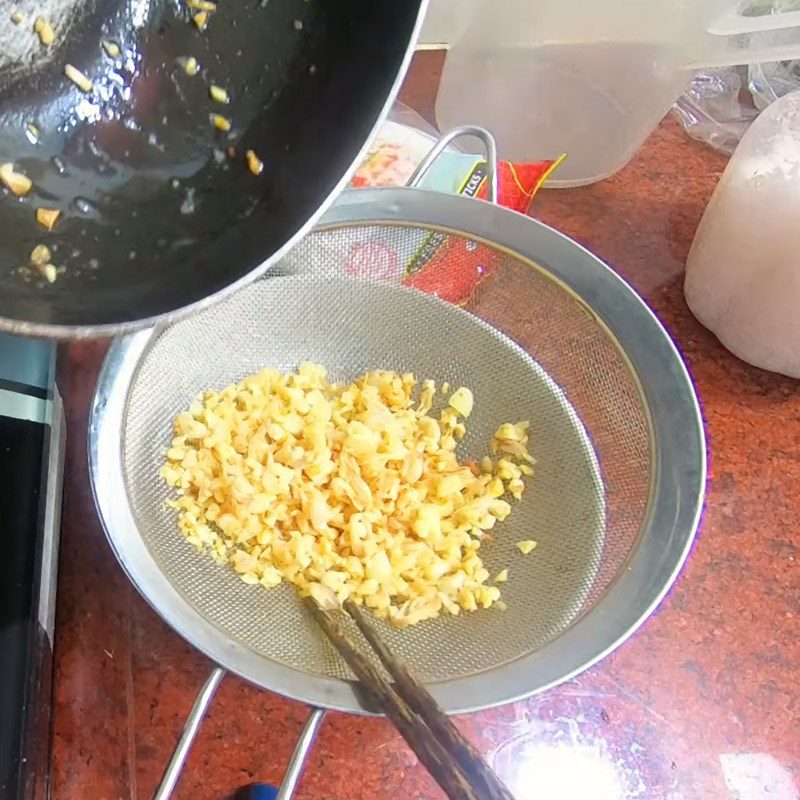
{"x":743,"y":270}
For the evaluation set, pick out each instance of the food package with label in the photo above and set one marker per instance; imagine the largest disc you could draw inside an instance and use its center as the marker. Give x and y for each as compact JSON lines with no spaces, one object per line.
{"x":447,"y":266}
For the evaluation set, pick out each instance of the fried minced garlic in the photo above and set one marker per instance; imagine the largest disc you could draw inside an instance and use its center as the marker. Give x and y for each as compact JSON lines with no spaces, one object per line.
{"x":206,"y":6}
{"x":44,"y":31}
{"x":111,"y":48}
{"x":219,"y":122}
{"x":17,"y":182}
{"x":356,"y":487}
{"x":40,"y":254}
{"x":254,"y":163}
{"x":190,"y":66}
{"x":78,"y":78}
{"x":40,"y":261}
{"x":47,"y":217}
{"x":49,"y":272}
{"x":218,"y":94}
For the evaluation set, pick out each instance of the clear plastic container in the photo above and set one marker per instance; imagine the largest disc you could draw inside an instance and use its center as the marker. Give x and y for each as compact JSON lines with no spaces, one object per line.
{"x":743,"y":271}
{"x":592,"y":79}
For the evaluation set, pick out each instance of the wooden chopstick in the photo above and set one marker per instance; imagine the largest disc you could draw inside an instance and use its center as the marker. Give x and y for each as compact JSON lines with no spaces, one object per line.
{"x":451,"y":760}
{"x":475,"y":769}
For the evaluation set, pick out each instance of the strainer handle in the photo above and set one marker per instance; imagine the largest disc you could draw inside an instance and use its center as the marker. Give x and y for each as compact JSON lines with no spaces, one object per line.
{"x":301,"y":751}
{"x":464,"y":130}
{"x":190,"y":729}
{"x":264,"y":791}
{"x":192,"y":725}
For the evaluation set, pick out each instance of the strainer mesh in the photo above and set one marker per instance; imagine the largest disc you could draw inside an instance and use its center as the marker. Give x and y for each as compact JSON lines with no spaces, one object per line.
{"x":590,"y":434}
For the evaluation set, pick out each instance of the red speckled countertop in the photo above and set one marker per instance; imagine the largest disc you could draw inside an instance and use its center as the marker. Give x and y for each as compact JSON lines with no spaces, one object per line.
{"x":702,"y":703}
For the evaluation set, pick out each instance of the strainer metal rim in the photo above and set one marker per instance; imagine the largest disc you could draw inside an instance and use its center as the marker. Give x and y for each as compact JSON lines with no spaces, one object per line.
{"x":678,"y":472}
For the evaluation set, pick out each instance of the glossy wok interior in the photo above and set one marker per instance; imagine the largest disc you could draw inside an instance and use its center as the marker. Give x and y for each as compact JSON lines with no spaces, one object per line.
{"x":156,"y":215}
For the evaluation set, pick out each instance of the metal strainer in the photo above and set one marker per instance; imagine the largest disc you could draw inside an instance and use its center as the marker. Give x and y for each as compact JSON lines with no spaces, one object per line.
{"x":552,"y":335}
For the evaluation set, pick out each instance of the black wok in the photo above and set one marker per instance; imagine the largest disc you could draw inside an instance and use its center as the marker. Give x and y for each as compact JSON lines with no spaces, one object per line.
{"x":157,"y":217}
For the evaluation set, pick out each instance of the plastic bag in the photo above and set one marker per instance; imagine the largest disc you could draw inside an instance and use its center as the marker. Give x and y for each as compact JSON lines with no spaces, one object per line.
{"x":719,"y":104}
{"x":768,"y":82}
{"x":710,"y":109}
